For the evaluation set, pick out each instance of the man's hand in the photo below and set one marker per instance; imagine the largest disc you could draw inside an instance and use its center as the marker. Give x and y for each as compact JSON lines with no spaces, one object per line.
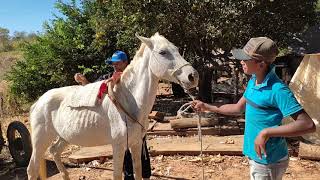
{"x":260,"y":143}
{"x":81,"y":79}
{"x":199,"y":105}
{"x":116,"y":77}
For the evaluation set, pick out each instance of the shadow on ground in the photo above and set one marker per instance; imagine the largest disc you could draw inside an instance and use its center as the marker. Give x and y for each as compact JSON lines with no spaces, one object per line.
{"x":9,"y":171}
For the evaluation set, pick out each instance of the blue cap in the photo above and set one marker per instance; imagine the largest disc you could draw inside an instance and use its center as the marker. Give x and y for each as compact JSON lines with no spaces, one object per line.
{"x":117,"y":57}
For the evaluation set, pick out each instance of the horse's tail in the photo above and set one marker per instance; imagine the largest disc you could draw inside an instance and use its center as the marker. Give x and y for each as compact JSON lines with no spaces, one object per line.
{"x":32,"y":107}
{"x":30,"y":114}
{"x":42,"y":165}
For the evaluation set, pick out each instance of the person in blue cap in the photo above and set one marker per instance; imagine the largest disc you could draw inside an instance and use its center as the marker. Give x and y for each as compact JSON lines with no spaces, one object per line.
{"x":120,"y":61}
{"x":266,"y":101}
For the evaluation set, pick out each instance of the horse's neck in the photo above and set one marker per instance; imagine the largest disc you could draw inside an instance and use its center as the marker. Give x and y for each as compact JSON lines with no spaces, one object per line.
{"x":137,"y":92}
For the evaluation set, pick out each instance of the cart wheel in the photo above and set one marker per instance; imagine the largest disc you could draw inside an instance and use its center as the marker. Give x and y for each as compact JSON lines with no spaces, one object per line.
{"x":19,"y":143}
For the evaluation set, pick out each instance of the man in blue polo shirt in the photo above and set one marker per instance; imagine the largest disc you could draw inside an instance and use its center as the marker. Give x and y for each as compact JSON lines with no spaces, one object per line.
{"x":266,"y":101}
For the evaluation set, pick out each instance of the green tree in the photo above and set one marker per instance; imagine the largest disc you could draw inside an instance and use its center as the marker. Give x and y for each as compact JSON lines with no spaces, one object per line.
{"x":51,"y":61}
{"x":4,"y":40}
{"x":205,"y":32}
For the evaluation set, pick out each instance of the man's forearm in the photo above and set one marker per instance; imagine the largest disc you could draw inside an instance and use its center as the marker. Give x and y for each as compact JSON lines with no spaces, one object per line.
{"x":227,"y":109}
{"x":296,"y":128}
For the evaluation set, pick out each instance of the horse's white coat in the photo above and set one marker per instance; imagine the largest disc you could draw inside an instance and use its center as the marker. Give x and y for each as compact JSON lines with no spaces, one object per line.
{"x":51,"y":117}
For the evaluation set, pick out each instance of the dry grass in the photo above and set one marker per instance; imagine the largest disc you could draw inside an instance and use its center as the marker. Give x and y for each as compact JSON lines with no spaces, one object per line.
{"x":7,"y":59}
{"x":9,"y":104}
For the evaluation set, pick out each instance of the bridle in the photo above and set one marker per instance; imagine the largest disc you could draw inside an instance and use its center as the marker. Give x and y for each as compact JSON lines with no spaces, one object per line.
{"x":172,"y":71}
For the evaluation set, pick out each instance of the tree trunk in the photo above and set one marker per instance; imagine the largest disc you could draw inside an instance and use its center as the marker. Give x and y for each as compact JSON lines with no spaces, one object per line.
{"x":236,"y":83}
{"x":205,"y":85}
{"x":177,"y":90}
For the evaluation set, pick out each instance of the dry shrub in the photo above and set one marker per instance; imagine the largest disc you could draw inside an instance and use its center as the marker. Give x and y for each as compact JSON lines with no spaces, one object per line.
{"x":10,"y":105}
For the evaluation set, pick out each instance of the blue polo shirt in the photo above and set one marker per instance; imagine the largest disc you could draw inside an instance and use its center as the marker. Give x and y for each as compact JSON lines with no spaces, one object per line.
{"x":266,"y":105}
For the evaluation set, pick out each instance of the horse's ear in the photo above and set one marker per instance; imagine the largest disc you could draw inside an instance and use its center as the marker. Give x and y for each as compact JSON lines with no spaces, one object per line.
{"x":145,"y":40}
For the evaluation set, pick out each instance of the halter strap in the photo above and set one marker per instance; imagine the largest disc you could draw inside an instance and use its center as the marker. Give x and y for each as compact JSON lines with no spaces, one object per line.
{"x":177,"y":69}
{"x":174,"y":70}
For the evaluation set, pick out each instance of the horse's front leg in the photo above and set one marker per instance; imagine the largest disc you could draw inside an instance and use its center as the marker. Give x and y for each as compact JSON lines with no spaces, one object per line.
{"x":136,"y":158}
{"x":118,"y":156}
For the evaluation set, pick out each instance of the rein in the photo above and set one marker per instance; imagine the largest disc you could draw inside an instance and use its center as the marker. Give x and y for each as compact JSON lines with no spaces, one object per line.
{"x":119,"y":106}
{"x":199,"y":131}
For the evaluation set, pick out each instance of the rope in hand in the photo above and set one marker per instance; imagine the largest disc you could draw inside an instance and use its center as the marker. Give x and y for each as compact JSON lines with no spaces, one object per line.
{"x":199,"y":134}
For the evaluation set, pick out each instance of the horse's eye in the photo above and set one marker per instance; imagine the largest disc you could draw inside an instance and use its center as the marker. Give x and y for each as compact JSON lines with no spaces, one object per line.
{"x":163,"y":53}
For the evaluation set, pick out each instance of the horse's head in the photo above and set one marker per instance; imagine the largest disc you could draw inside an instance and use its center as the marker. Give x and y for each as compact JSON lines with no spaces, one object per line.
{"x":167,"y":63}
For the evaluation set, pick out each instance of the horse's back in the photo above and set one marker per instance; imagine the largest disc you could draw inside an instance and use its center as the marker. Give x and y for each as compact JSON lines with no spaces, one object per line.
{"x":52,"y":99}
{"x":46,"y":106}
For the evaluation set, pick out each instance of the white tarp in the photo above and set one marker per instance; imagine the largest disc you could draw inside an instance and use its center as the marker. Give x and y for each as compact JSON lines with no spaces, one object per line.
{"x":305,"y":84}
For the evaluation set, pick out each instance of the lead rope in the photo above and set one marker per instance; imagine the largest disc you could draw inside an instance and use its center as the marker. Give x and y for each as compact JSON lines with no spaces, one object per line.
{"x":200,"y":139}
{"x":199,"y":135}
{"x":127,"y":132}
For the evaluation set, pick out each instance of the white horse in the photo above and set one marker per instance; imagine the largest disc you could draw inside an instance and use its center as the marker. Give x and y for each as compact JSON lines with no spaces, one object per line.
{"x":51,"y":117}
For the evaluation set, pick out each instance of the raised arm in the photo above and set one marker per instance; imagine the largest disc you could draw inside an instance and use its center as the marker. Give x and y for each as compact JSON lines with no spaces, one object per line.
{"x":227,"y":109}
{"x":81,"y":79}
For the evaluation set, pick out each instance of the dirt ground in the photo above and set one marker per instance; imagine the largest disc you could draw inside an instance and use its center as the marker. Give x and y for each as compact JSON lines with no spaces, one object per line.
{"x":163,"y":167}
{"x":190,"y":167}
{"x":170,"y":167}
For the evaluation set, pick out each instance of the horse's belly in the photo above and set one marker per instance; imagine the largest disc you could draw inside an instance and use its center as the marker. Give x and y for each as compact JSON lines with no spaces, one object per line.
{"x":82,"y":127}
{"x":92,"y":136}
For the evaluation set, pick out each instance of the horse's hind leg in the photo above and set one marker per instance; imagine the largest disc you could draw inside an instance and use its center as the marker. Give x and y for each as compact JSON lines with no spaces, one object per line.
{"x":136,"y":157}
{"x":118,"y":156}
{"x":56,"y":150}
{"x":40,"y":142}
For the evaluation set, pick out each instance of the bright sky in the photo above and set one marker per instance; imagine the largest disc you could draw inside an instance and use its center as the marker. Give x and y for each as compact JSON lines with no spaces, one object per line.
{"x":26,"y":15}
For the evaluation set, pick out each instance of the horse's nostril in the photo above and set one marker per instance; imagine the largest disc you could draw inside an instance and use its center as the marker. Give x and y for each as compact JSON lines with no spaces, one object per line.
{"x":191,"y":77}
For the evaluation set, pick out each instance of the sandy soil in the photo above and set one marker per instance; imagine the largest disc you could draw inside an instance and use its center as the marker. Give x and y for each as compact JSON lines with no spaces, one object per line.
{"x":190,"y":167}
{"x":179,"y":168}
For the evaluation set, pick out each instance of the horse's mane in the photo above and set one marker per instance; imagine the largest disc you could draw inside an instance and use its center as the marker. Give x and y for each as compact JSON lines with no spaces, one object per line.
{"x":136,"y":57}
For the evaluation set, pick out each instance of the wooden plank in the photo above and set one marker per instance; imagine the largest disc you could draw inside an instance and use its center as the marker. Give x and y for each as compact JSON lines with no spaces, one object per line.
{"x":151,"y":125}
{"x":309,"y":151}
{"x":192,"y":122}
{"x":87,"y":154}
{"x":240,"y":120}
{"x":169,"y":146}
{"x":164,"y":129}
{"x":191,"y":145}
{"x":156,"y":115}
